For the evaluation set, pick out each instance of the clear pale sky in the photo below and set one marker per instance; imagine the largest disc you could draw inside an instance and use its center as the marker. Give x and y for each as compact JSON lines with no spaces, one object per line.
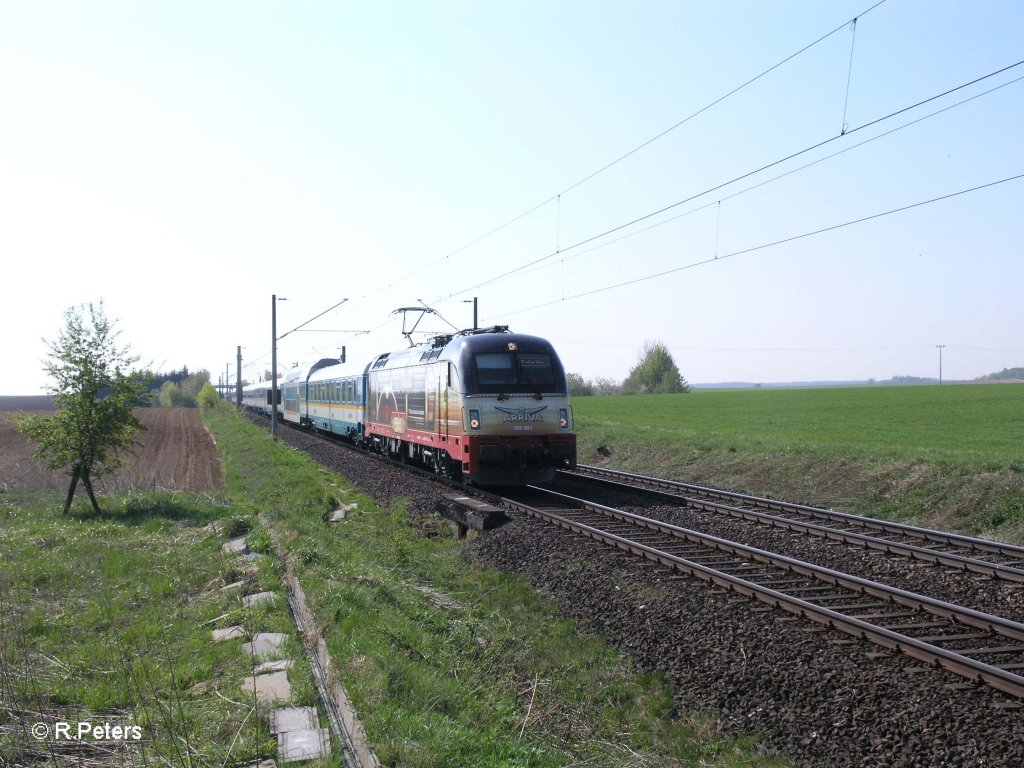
{"x":183,"y":161}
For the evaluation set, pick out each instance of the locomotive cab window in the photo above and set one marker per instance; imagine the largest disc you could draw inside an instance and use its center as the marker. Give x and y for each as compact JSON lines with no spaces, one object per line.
{"x":535,"y":370}
{"x":516,"y":372}
{"x":495,"y":370}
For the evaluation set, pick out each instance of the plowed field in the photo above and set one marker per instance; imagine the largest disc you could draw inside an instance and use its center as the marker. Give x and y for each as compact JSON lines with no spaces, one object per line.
{"x":176,"y":453}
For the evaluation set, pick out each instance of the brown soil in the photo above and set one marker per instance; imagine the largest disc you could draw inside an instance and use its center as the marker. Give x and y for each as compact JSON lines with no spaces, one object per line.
{"x":176,"y":453}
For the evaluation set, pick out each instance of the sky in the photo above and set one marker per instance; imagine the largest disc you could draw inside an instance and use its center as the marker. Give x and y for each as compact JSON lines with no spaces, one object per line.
{"x":753,"y":184}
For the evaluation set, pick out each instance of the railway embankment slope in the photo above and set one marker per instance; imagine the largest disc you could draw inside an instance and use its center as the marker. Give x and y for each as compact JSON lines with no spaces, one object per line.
{"x":949,"y":457}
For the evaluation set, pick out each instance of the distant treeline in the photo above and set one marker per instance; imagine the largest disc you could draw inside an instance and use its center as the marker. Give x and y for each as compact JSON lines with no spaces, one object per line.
{"x":655,"y":373}
{"x":1007,"y":374}
{"x":175,"y":389}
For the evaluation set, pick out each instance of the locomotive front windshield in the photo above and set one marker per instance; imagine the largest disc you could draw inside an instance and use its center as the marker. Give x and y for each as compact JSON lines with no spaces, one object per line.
{"x":497,"y":372}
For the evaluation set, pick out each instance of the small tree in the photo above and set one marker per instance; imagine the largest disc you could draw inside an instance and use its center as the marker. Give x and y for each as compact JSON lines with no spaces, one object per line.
{"x":656,"y":372}
{"x":208,"y":397}
{"x":606,"y":386}
{"x":578,"y":387}
{"x":95,"y":395}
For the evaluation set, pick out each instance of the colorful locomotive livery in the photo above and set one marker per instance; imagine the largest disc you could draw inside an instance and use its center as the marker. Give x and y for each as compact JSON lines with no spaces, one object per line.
{"x":488,"y":406}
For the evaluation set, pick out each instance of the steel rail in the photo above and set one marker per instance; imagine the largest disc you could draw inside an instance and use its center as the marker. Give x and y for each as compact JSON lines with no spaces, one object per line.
{"x":913,"y":551}
{"x":952,"y":661}
{"x":601,"y":475}
{"x":946,"y":610}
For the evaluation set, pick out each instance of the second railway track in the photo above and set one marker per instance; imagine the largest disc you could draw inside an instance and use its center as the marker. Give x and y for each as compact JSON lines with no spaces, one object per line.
{"x":994,"y":559}
{"x":975,"y":645}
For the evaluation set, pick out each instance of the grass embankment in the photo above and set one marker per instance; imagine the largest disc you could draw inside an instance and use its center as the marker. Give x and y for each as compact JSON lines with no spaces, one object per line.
{"x":447,"y":664}
{"x":106,"y":620}
{"x":950,"y":457}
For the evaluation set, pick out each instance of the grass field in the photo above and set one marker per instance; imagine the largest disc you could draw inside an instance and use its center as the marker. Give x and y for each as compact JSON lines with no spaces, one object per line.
{"x":106,"y":619}
{"x":950,"y":456}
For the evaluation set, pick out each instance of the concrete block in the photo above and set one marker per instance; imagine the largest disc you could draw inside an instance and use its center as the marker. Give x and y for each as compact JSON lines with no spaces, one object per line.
{"x":269,"y":688}
{"x":293,"y":719}
{"x":228,"y":633}
{"x":264,"y":644}
{"x":258,"y":598}
{"x":274,"y":666}
{"x":236,"y":546}
{"x":303,"y":745}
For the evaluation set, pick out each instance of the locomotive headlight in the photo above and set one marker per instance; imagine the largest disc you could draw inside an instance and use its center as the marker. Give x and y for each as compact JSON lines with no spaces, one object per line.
{"x":474,"y":419}
{"x":563,"y":418}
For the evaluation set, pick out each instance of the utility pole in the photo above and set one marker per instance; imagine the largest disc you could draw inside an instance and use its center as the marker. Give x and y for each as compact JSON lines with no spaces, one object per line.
{"x":238,"y":377}
{"x":940,"y":347}
{"x":274,"y":390}
{"x":273,"y":366}
{"x":475,"y":324}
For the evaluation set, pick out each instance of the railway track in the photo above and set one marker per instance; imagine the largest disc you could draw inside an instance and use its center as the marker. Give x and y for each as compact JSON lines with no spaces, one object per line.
{"x":763,"y":669}
{"x":996,"y":560}
{"x":980,"y":647}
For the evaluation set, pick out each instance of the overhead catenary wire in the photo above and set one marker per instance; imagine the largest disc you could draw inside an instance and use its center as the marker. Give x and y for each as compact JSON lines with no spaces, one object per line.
{"x":735,"y":179}
{"x":772,"y":244}
{"x":849,"y":73}
{"x":563,"y":252}
{"x":607,"y":166}
{"x":557,"y":197}
{"x":760,"y":184}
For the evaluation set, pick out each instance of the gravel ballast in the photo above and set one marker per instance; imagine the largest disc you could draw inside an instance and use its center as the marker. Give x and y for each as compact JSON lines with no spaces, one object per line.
{"x":818,"y":698}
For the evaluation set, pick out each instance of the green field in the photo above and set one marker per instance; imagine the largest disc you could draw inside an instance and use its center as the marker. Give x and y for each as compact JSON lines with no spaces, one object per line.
{"x":950,"y":456}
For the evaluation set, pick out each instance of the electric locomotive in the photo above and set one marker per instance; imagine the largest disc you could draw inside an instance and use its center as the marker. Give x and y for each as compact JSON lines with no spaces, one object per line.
{"x":487,"y":406}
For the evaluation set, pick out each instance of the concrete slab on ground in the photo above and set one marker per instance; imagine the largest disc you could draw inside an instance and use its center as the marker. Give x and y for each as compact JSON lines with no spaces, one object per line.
{"x":264,"y":644}
{"x":228,"y":633}
{"x":278,"y":665}
{"x":293,"y":719}
{"x":270,"y":687}
{"x":259,"y":598}
{"x":303,"y":745}
{"x":235,"y":545}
